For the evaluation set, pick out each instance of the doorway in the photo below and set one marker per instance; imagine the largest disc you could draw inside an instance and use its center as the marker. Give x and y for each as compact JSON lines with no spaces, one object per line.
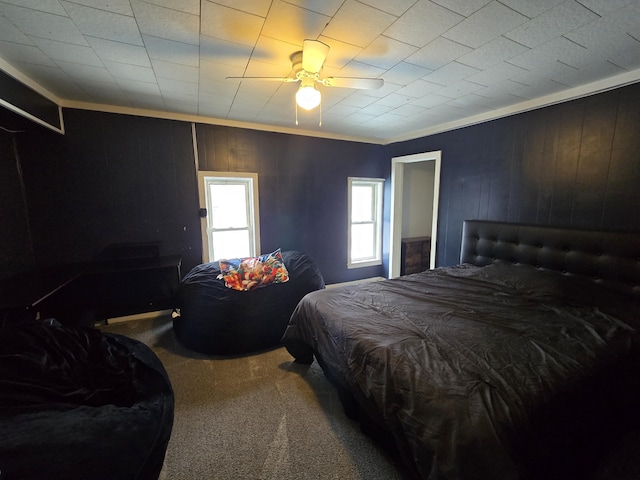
{"x":400,"y":201}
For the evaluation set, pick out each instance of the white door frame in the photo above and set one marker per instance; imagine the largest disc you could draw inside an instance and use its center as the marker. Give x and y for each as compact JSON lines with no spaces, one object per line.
{"x":397,"y":176}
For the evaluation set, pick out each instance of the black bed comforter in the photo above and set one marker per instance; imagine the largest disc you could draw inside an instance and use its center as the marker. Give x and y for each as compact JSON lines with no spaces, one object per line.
{"x":494,"y":372}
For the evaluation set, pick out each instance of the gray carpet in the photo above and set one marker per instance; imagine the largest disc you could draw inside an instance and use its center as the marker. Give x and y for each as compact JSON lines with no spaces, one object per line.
{"x":255,"y":417}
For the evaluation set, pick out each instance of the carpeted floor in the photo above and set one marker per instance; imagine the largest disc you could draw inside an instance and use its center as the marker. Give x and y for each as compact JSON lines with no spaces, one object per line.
{"x":255,"y":417}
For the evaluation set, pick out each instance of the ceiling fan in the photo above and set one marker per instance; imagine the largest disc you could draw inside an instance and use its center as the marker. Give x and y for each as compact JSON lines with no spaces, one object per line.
{"x":306,"y":66}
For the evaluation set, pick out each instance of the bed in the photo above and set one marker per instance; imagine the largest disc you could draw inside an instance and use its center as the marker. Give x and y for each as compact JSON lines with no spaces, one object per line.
{"x":519,"y":363}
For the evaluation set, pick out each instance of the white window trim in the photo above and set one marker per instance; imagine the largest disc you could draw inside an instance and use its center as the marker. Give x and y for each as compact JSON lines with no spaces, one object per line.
{"x":254,"y":211}
{"x":379,"y":193}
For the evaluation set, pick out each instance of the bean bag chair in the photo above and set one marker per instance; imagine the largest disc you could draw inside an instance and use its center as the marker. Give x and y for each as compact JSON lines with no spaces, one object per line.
{"x":76,"y":403}
{"x":216,"y":319}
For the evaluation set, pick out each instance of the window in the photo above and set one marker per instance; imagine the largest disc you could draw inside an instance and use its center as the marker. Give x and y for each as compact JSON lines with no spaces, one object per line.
{"x":230,"y":228}
{"x":365,"y":222}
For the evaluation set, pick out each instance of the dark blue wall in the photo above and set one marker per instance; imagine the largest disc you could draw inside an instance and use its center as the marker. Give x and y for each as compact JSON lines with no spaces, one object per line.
{"x":575,"y":164}
{"x":303,"y":188}
{"x":117,"y":178}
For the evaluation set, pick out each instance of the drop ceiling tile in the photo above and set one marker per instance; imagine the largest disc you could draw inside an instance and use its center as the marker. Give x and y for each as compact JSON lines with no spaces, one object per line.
{"x":119,"y":52}
{"x":42,"y":24}
{"x":539,"y":89}
{"x":293,"y":24}
{"x":493,"y":52}
{"x":484,"y":25}
{"x":217,"y":87}
{"x":229,"y":24}
{"x":502,"y":91}
{"x":276,"y":52}
{"x":130,"y":86}
{"x":459,"y":89}
{"x":343,"y":110}
{"x":418,"y":88}
{"x":359,"y":70}
{"x":465,"y":8}
{"x":469,"y":109}
{"x":387,"y":89}
{"x":146,"y":100}
{"x":394,"y":100}
{"x":385,"y":52}
{"x":325,"y":7}
{"x":257,"y":93}
{"x":42,"y":5}
{"x":497,"y":73}
{"x":451,"y":73}
{"x":551,"y":70}
{"x":85,"y":72}
{"x":122,"y":7}
{"x":244,"y":111}
{"x":430,"y":100}
{"x":222,"y":51}
{"x":423,"y":23}
{"x":348,"y":25}
{"x":213,"y":71}
{"x":167,"y":23}
{"x":405,"y":73}
{"x":178,"y":102}
{"x":397,"y":7}
{"x":58,"y":82}
{"x":213,"y":110}
{"x":258,"y":68}
{"x":408,"y":110}
{"x":555,"y":22}
{"x":66,"y":52}
{"x":359,"y":119}
{"x":376,"y":109}
{"x":438,"y":53}
{"x":172,"y":52}
{"x":446,"y":112}
{"x":188,"y":6}
{"x":340,"y":53}
{"x":110,"y":91}
{"x":30,"y":54}
{"x":102,"y":24}
{"x":605,"y":7}
{"x":477,"y":102}
{"x":133,"y":72}
{"x":532,"y":9}
{"x":591,"y":73}
{"x":9,"y":33}
{"x":359,"y":99}
{"x":611,"y":36}
{"x":174,"y":71}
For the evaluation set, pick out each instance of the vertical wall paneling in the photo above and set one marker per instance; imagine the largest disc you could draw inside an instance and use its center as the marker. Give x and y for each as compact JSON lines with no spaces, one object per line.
{"x":117,"y":178}
{"x":571,"y":164}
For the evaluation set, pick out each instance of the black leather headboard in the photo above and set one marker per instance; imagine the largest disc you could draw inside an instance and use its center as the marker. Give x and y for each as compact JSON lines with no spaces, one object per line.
{"x":605,"y":257}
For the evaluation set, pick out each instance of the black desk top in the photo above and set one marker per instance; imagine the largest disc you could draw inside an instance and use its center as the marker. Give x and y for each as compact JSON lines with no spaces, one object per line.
{"x":26,"y":290}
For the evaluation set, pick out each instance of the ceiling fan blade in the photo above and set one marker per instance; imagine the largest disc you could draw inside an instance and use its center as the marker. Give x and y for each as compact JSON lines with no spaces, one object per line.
{"x":314,"y":53}
{"x":265,"y":79}
{"x":349,"y":82}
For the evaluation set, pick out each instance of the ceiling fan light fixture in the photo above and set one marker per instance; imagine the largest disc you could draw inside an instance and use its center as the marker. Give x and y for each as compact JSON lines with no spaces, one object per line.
{"x":308,"y":97}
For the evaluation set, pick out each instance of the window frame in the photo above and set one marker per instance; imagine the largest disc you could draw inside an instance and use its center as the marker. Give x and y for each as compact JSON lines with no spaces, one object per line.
{"x":378,"y":189}
{"x":205,"y":179}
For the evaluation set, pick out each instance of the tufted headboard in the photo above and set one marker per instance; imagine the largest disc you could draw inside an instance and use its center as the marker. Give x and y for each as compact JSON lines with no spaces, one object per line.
{"x":610,"y":258}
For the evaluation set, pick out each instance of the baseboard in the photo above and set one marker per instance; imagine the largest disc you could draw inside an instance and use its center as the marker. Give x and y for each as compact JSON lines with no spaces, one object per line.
{"x":139,"y":316}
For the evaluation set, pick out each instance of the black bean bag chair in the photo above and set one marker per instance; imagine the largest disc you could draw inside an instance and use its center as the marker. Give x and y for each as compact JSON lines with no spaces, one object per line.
{"x":76,"y":403}
{"x":217,"y":320}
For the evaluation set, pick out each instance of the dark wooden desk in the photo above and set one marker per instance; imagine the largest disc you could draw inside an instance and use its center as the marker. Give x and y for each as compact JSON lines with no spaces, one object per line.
{"x":86,"y":293}
{"x":22,"y":294}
